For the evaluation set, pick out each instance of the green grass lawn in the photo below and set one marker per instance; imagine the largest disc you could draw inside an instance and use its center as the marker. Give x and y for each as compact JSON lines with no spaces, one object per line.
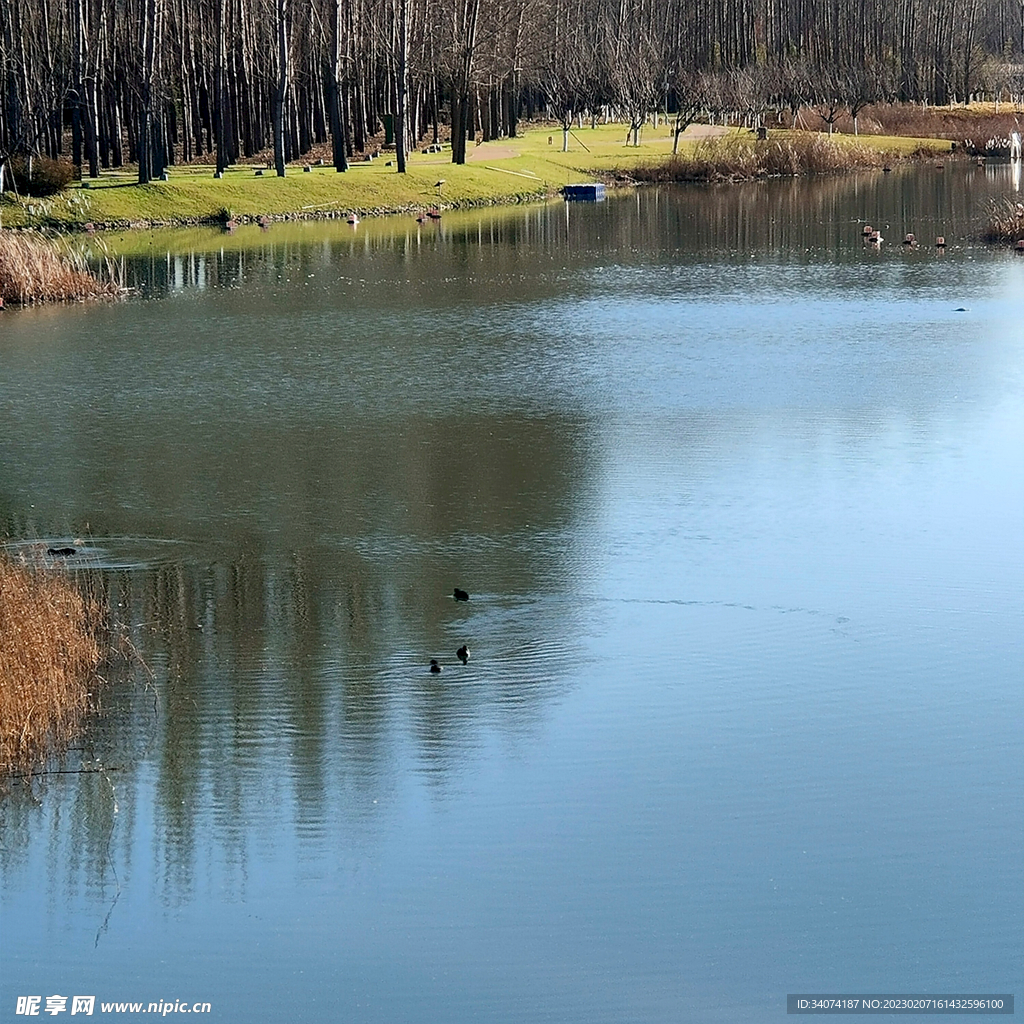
{"x":525,"y":168}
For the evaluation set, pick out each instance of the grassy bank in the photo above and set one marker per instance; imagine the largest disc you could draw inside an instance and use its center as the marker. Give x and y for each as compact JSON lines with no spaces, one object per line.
{"x":48,"y":660}
{"x":528,"y":167}
{"x":37,"y":269}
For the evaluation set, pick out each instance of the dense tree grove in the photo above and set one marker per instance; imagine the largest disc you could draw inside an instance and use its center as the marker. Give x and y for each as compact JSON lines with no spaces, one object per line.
{"x":155,"y":82}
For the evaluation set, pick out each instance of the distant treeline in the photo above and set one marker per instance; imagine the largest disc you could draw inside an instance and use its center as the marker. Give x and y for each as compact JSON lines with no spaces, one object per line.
{"x":156,"y":82}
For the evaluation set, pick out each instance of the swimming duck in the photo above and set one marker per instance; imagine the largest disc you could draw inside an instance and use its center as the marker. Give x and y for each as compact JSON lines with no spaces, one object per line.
{"x":434,"y":666}
{"x":461,"y":595}
{"x":462,"y":654}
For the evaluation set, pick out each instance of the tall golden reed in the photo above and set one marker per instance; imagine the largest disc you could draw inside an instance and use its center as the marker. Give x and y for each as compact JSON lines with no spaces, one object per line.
{"x":35,"y":269}
{"x":1005,"y":221}
{"x":49,"y":655}
{"x":742,"y":157}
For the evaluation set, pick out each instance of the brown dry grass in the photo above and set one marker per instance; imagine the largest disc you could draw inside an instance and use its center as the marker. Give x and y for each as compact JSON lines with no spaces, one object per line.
{"x":741,"y":157}
{"x":48,"y":659}
{"x":972,"y":126}
{"x":1005,"y":222}
{"x":34,"y":269}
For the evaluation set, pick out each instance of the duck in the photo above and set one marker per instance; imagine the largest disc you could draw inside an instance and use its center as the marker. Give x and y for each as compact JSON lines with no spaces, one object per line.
{"x":462,"y":654}
{"x":435,"y":667}
{"x":460,"y":595}
{"x":60,"y":552}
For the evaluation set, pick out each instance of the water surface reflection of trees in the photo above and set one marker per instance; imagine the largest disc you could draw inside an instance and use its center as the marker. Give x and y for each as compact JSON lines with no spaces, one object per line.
{"x":786,"y":217}
{"x":288,"y":633}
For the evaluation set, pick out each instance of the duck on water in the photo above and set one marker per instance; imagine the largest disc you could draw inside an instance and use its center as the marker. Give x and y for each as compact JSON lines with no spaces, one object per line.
{"x":462,"y":654}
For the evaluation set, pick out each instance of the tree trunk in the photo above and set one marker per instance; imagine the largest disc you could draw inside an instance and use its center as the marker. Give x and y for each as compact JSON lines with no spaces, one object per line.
{"x":461,"y":83}
{"x":221,"y":114}
{"x":458,"y":127}
{"x":281,"y":93}
{"x":401,"y":83}
{"x":149,"y":46}
{"x":334,"y":90}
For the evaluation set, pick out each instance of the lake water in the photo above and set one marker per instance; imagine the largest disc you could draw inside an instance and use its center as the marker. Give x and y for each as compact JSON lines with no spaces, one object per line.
{"x":738,"y":502}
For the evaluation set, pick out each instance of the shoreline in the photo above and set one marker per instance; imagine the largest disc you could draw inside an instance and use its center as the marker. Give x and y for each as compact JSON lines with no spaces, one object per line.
{"x":247,"y":194}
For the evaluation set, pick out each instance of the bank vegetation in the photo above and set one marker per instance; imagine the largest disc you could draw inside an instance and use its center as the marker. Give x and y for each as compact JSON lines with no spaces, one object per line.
{"x":1006,"y":223}
{"x":741,"y":157}
{"x":49,"y":656}
{"x":34,"y":269}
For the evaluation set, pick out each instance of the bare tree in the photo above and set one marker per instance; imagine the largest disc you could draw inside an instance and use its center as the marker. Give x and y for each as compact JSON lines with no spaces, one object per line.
{"x":690,"y":97}
{"x":637,"y":67}
{"x":281,"y":93}
{"x":335,"y":74}
{"x":829,"y":94}
{"x":150,"y":35}
{"x":105,"y":81}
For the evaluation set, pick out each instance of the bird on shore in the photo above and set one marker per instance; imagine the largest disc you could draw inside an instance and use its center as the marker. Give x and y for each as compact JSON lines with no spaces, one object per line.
{"x":460,"y":595}
{"x":462,"y":654}
{"x":434,"y":666}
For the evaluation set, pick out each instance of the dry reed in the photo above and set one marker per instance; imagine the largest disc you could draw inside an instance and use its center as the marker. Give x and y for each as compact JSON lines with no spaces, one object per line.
{"x":735,"y":158}
{"x":1005,"y":222}
{"x":970,"y":126}
{"x":34,"y":269}
{"x":49,"y":655}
